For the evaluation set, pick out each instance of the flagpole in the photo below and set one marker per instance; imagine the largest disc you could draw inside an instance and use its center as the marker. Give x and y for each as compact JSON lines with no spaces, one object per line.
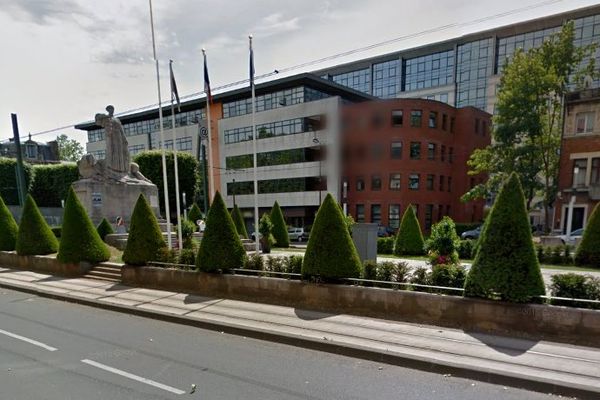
{"x":162,"y":134}
{"x":211,"y":185}
{"x":257,"y":234}
{"x":173,"y":90}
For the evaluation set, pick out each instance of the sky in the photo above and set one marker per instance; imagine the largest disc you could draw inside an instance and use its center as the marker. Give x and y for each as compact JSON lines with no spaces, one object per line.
{"x":65,"y":60}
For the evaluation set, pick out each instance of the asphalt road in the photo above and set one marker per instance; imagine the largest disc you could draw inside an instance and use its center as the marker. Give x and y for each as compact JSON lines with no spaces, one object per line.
{"x":55,"y":350}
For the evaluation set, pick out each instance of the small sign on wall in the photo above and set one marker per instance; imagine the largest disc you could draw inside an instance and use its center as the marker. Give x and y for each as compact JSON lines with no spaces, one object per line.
{"x":96,"y":199}
{"x":153,"y":201}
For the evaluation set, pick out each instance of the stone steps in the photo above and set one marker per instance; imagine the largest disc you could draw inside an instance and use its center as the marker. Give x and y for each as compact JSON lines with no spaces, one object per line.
{"x":111,"y":273}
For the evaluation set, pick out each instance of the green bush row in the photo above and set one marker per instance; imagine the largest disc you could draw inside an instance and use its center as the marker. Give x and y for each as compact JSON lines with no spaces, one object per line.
{"x":575,"y":286}
{"x":556,"y":255}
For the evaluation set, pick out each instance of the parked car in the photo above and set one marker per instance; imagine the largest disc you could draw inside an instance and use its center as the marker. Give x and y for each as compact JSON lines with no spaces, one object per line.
{"x":573,"y":239}
{"x":295,"y":234}
{"x":472,"y":234}
{"x":385,"y":231}
{"x":306,"y":233}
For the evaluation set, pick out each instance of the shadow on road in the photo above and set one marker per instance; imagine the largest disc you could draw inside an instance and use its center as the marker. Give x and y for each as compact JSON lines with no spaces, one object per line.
{"x":311,"y":315}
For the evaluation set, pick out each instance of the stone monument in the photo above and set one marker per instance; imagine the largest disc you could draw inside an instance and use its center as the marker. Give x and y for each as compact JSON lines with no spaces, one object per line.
{"x":109,"y":188}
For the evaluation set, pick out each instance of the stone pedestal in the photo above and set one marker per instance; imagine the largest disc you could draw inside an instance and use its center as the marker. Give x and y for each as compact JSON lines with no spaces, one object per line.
{"x":110,"y":199}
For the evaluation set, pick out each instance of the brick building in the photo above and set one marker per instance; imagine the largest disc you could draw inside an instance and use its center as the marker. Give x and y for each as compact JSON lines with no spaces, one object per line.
{"x":410,"y":151}
{"x":579,"y":171}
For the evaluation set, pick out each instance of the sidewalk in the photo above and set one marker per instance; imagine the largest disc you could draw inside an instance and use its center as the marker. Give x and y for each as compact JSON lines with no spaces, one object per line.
{"x":544,"y":366}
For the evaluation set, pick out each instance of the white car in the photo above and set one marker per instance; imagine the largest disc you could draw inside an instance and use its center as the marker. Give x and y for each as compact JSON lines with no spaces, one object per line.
{"x":574,"y":238}
{"x":295,"y":234}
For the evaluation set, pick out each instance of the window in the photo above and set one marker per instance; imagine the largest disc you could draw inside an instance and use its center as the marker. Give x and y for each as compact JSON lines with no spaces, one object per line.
{"x":444,"y":122}
{"x":452,"y":124}
{"x":579,"y":172}
{"x":444,"y":97}
{"x":396,"y":150}
{"x":415,"y":150}
{"x":449,"y":184}
{"x":443,"y":153}
{"x":376,"y":213}
{"x":430,"y":179}
{"x":360,"y":213}
{"x":429,"y":70}
{"x":395,"y":181}
{"x":441,"y":183}
{"x":428,"y":215}
{"x":433,"y":119}
{"x":450,"y":154}
{"x":595,"y":179}
{"x":415,"y":118}
{"x":397,"y":117}
{"x":376,"y":151}
{"x":394,"y":216}
{"x":376,"y":182}
{"x":413,"y":182}
{"x":360,"y":184}
{"x":476,"y":125}
{"x":584,"y":122}
{"x":431,"y":151}
{"x":386,"y":79}
{"x":31,"y":151}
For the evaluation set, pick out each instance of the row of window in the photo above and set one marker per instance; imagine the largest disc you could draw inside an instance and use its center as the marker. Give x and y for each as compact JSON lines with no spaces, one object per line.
{"x":416,"y":118}
{"x":267,"y":159}
{"x":285,"y":185}
{"x":98,"y":154}
{"x":136,"y":148}
{"x":584,"y":122}
{"x":396,"y":152}
{"x":414,"y":180}
{"x":429,"y":71}
{"x":277,"y":128}
{"x":394,"y":213}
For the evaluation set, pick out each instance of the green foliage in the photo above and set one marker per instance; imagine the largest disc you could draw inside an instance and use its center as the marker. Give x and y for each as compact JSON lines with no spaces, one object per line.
{"x":57,"y":230}
{"x":195,"y":214}
{"x":145,"y":241}
{"x":8,"y":228}
{"x":275,"y":264}
{"x":187,"y":231}
{"x":221,"y":247}
{"x":293,"y":264}
{"x":187,"y":257}
{"x":166,"y":255}
{"x":567,"y":257}
{"x":557,"y":257}
{"x":506,"y":266}
{"x":369,"y":270}
{"x":280,"y":232}
{"x":409,"y":239}
{"x":79,"y":239}
{"x":150,"y":163}
{"x":34,"y":236}
{"x":104,"y":228}
{"x":254,"y":262}
{"x":588,"y":252}
{"x":540,"y":253}
{"x":385,"y":245}
{"x":575,"y":286}
{"x":420,"y":276}
{"x":69,"y":149}
{"x":448,"y":276}
{"x":443,"y":243}
{"x":8,"y":180}
{"x":466,"y":249}
{"x":463,"y":227}
{"x":238,"y":221}
{"x":265,"y":228}
{"x":51,"y":183}
{"x":330,"y":253}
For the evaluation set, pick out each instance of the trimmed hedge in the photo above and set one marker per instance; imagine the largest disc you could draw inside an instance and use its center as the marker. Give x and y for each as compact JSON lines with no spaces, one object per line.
{"x":104,"y":228}
{"x":35,"y":236}
{"x":385,"y":245}
{"x":79,"y":239}
{"x":8,"y":228}
{"x":221,"y":247}
{"x":588,"y":252}
{"x":506,"y":265}
{"x":575,"y":286}
{"x":51,"y":183}
{"x":238,"y":221}
{"x":195,"y":214}
{"x":409,"y":240}
{"x":145,"y":241}
{"x":280,"y":232}
{"x":442,"y":246}
{"x":8,"y":180}
{"x":330,"y":253}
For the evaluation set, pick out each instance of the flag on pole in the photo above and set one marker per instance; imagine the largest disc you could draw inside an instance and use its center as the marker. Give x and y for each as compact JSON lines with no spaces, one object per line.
{"x":174,"y":92}
{"x":251,"y":63}
{"x":206,"y":79}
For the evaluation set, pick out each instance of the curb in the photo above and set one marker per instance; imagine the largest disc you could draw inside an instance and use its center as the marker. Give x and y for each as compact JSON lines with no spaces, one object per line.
{"x":538,"y":384}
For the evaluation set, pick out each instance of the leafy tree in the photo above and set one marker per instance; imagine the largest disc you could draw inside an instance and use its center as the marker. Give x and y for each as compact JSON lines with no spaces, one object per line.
{"x":528,"y":120}
{"x":330,"y":253}
{"x":8,"y":180}
{"x":221,"y":247}
{"x":588,"y":252}
{"x":69,"y":149}
{"x":506,"y":266}
{"x":409,"y":239}
{"x":280,"y":232}
{"x":265,"y":229}
{"x":238,"y":221}
{"x":79,"y":239}
{"x":51,"y":183}
{"x":35,"y":236}
{"x":195,"y":214}
{"x":104,"y":228}
{"x":145,"y":241}
{"x":443,"y":243}
{"x":8,"y":228}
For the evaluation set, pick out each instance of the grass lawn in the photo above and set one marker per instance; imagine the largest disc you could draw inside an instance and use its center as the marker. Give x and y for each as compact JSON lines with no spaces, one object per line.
{"x":116,"y":255}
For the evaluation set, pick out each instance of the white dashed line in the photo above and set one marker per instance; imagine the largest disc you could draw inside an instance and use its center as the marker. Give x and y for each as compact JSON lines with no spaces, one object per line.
{"x":31,"y":341}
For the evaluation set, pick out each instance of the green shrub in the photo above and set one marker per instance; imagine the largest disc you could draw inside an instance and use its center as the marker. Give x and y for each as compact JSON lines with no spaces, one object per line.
{"x":330,"y":253}
{"x":275,"y":264}
{"x":442,"y":245}
{"x":448,"y":276}
{"x":567,"y":258}
{"x":194,"y":214}
{"x":104,"y":228}
{"x":79,"y":239}
{"x":166,"y":255}
{"x":293,"y":264}
{"x":463,"y":227}
{"x":254,"y":262}
{"x":557,"y":257}
{"x":575,"y":286}
{"x":221,"y":247}
{"x":548,"y":254}
{"x":385,"y":245}
{"x":541,"y":256}
{"x":506,"y":266}
{"x":465,"y":249}
{"x":385,"y":271}
{"x":409,"y":240}
{"x":145,"y":241}
{"x":57,"y":230}
{"x":401,"y":272}
{"x":238,"y":221}
{"x":588,"y":251}
{"x":420,"y":276}
{"x":187,"y":256}
{"x":187,"y":231}
{"x":280,"y":232}
{"x":34,"y":236}
{"x":369,"y":270}
{"x":8,"y":228}
{"x":8,"y":180}
{"x":51,"y":183}
{"x":265,"y":228}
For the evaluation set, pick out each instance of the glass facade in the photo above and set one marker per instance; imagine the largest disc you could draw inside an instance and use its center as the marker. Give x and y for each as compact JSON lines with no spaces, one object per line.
{"x":136,"y":148}
{"x":386,"y":79}
{"x":507,"y":46}
{"x":286,"y":185}
{"x":473,"y":69}
{"x":282,"y":157}
{"x":429,"y":71}
{"x":358,"y":80}
{"x":273,"y":129}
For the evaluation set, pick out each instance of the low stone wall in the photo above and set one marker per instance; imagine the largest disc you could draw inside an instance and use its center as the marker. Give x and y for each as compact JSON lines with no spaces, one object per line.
{"x":48,"y":264}
{"x":533,"y":321}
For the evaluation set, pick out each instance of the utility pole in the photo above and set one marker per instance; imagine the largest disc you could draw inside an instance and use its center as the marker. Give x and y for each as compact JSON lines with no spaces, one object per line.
{"x":21,"y":188}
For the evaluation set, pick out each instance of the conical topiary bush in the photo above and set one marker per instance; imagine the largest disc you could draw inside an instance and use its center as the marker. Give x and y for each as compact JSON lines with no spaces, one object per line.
{"x":280,"y":232}
{"x":195,"y":214}
{"x":35,"y":236}
{"x":506,"y":266}
{"x":330,"y":253}
{"x":588,"y":251}
{"x":79,"y":240}
{"x":221,"y":247}
{"x":145,"y":241}
{"x":238,"y":221}
{"x":8,"y":228}
{"x":409,"y":239}
{"x":104,"y":228}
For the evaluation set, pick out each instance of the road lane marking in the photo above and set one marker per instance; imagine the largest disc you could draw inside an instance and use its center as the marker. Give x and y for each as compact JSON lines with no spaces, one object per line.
{"x":132,"y":376}
{"x":31,"y":341}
